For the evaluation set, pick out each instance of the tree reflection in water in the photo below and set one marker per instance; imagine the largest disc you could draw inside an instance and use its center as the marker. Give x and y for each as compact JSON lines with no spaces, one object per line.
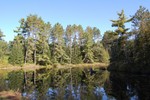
{"x":128,"y":86}
{"x":76,"y":84}
{"x":58,"y":84}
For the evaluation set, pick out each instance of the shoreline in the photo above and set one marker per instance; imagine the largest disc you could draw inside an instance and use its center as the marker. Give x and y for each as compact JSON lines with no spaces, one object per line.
{"x":59,"y":66}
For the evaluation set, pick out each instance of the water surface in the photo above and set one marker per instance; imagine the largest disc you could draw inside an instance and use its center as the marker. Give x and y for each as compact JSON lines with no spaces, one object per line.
{"x":76,"y":84}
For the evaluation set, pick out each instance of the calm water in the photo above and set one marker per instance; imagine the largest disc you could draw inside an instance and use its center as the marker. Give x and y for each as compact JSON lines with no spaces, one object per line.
{"x":76,"y":84}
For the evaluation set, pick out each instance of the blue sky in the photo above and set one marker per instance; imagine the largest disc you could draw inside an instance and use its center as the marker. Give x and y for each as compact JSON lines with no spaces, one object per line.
{"x":94,"y":13}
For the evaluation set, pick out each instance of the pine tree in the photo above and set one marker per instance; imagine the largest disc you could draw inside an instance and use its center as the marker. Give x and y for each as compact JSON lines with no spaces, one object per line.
{"x":119,"y":45}
{"x":30,"y":28}
{"x":108,"y":39}
{"x":68,"y":38}
{"x":87,"y":53}
{"x":76,"y":54}
{"x":58,"y":53}
{"x":16,"y":56}
{"x":3,"y":46}
{"x":141,"y":30}
{"x":100,"y":53}
{"x":43,"y":51}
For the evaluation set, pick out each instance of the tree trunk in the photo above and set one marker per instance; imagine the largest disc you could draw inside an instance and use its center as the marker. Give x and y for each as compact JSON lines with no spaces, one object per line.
{"x":71,"y":78}
{"x":35,"y":37}
{"x":34,"y":77}
{"x":25,"y":58}
{"x":34,"y":56}
{"x":25,"y":55}
{"x":70,"y":50}
{"x":25,"y":77}
{"x":70,"y":54}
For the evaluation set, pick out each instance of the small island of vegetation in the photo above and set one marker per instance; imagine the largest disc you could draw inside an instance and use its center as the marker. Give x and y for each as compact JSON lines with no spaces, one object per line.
{"x":40,"y":43}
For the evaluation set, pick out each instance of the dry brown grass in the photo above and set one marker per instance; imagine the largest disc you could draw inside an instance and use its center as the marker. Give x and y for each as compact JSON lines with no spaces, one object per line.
{"x":10,"y":95}
{"x":100,"y":65}
{"x":28,"y":67}
{"x":25,"y":67}
{"x":4,"y":65}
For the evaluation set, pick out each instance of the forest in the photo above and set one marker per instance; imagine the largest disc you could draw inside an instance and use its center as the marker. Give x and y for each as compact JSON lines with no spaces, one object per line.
{"x":38,"y":42}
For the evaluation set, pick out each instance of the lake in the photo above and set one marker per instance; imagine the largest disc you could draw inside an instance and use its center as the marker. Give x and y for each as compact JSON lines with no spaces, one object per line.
{"x":76,"y":84}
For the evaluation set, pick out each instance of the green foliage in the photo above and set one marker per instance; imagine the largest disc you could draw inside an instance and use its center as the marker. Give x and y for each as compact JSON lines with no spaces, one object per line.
{"x":132,"y":48}
{"x":16,"y":56}
{"x":100,"y":53}
{"x":118,"y":46}
{"x":42,"y":44}
{"x":96,"y":35}
{"x":58,"y":54}
{"x":16,"y":80}
{"x":86,"y":49}
{"x":120,"y":23}
{"x":43,"y":51}
{"x":35,"y":33}
{"x":3,"y":49}
{"x":142,"y":41}
{"x":108,"y":39}
{"x":76,"y":53}
{"x":30,"y":28}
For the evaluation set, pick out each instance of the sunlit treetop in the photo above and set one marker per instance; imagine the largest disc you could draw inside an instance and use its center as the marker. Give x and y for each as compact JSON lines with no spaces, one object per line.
{"x":120,"y":23}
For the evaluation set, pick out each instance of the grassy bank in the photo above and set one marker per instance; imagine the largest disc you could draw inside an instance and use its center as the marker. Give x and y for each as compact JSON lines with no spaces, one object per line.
{"x":24,"y":67}
{"x":10,"y":95}
{"x":86,"y":65}
{"x":34,"y":67}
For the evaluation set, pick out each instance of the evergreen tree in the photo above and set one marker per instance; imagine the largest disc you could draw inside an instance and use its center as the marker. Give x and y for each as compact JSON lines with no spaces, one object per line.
{"x":141,"y":30}
{"x":76,"y":54}
{"x":68,"y":38}
{"x":80,"y":35}
{"x":3,"y":49}
{"x":3,"y":46}
{"x":96,"y":35}
{"x":16,"y":56}
{"x":108,"y":39}
{"x":43,"y":51}
{"x":58,"y":54}
{"x":119,"y":45}
{"x":87,"y":53}
{"x":30,"y":28}
{"x":100,"y":53}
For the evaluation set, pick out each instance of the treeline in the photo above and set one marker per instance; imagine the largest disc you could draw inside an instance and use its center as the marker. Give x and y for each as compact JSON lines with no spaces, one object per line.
{"x":40,"y":43}
{"x":130,"y":50}
{"x":3,"y":48}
